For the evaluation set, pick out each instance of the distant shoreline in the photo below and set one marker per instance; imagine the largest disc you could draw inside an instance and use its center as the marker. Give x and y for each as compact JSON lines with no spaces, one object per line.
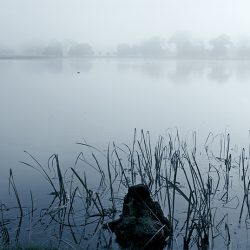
{"x":23,"y":57}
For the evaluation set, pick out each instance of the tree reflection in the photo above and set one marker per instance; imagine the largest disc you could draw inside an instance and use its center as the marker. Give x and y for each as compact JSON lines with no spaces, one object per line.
{"x":188,"y":71}
{"x":243,"y":70}
{"x":184,"y":70}
{"x":220,"y":72}
{"x":42,"y":66}
{"x":153,"y":69}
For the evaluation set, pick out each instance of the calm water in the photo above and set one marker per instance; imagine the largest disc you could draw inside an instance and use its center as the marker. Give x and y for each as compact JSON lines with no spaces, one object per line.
{"x":46,"y":106}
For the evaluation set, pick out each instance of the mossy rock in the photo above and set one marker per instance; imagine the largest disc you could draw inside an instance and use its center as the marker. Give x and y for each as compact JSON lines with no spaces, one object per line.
{"x":142,"y":222}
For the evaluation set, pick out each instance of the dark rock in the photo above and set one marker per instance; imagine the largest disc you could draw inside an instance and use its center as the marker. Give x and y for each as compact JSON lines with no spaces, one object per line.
{"x":142,"y":223}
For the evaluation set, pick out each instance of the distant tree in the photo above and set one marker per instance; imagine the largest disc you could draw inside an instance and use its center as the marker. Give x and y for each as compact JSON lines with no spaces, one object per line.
{"x":124,"y":50}
{"x":243,"y":50}
{"x":6,"y":52}
{"x":80,"y":50}
{"x":53,"y":49}
{"x":33,"y":49}
{"x":154,"y":47}
{"x":135,"y":50}
{"x":220,"y":46}
{"x":186,"y":47}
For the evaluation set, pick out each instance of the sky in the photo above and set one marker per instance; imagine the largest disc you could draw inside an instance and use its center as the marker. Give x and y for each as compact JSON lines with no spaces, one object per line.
{"x":106,"y":23}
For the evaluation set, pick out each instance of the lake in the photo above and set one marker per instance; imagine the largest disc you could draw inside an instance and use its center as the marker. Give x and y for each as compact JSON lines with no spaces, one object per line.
{"x":49,"y":105}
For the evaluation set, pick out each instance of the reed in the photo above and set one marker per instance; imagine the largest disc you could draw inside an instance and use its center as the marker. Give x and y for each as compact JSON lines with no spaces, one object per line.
{"x":194,"y":196}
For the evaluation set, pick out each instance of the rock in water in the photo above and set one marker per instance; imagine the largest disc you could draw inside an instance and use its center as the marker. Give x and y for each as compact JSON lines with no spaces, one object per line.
{"x":142,"y":223}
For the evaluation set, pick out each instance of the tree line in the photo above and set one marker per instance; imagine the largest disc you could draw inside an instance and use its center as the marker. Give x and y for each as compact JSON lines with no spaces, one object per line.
{"x":180,"y":45}
{"x":183,"y":46}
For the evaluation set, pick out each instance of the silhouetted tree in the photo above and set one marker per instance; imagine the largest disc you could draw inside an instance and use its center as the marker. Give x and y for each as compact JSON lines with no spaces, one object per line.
{"x":186,"y":47}
{"x":154,"y":47}
{"x":243,"y":50}
{"x":53,"y":49}
{"x":125,"y":49}
{"x":220,"y":46}
{"x":80,"y":50}
{"x":6,"y":52}
{"x":33,"y":49}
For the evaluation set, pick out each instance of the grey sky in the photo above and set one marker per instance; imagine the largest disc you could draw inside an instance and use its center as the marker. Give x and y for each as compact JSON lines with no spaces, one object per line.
{"x":104,"y":23}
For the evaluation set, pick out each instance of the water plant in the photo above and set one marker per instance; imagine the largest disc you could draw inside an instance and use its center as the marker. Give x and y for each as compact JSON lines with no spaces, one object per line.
{"x":198,"y":189}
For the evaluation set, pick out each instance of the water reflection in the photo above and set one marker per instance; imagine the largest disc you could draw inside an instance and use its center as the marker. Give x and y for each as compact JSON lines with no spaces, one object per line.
{"x":220,"y":72}
{"x":45,"y":105}
{"x":79,"y":65}
{"x":155,"y":69}
{"x":54,"y":66}
{"x":5,"y":67}
{"x":243,"y":70}
{"x":185,"y":71}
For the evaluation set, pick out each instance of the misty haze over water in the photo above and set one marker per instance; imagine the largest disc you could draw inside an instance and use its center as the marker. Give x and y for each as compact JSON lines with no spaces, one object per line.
{"x":113,"y":27}
{"x":46,"y":106}
{"x":178,"y":46}
{"x":93,"y":71}
{"x":103,"y":99}
{"x":46,"y":98}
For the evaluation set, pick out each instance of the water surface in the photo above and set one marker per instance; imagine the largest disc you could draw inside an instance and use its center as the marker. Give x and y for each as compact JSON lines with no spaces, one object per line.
{"x":47,"y":106}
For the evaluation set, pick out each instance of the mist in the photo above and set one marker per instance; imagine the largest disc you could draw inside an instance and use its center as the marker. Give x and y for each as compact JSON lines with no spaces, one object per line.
{"x":105,"y":24}
{"x":97,"y":96}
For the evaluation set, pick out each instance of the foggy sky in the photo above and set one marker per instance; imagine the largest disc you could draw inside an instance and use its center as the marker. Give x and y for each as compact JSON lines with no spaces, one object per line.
{"x":105,"y":23}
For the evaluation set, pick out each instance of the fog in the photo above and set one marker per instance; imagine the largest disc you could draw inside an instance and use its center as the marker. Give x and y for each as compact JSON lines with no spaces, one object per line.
{"x":105,"y":24}
{"x":88,"y":72}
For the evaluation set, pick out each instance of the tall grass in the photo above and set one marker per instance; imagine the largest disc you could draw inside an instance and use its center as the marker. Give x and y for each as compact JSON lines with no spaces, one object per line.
{"x":192,"y":184}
